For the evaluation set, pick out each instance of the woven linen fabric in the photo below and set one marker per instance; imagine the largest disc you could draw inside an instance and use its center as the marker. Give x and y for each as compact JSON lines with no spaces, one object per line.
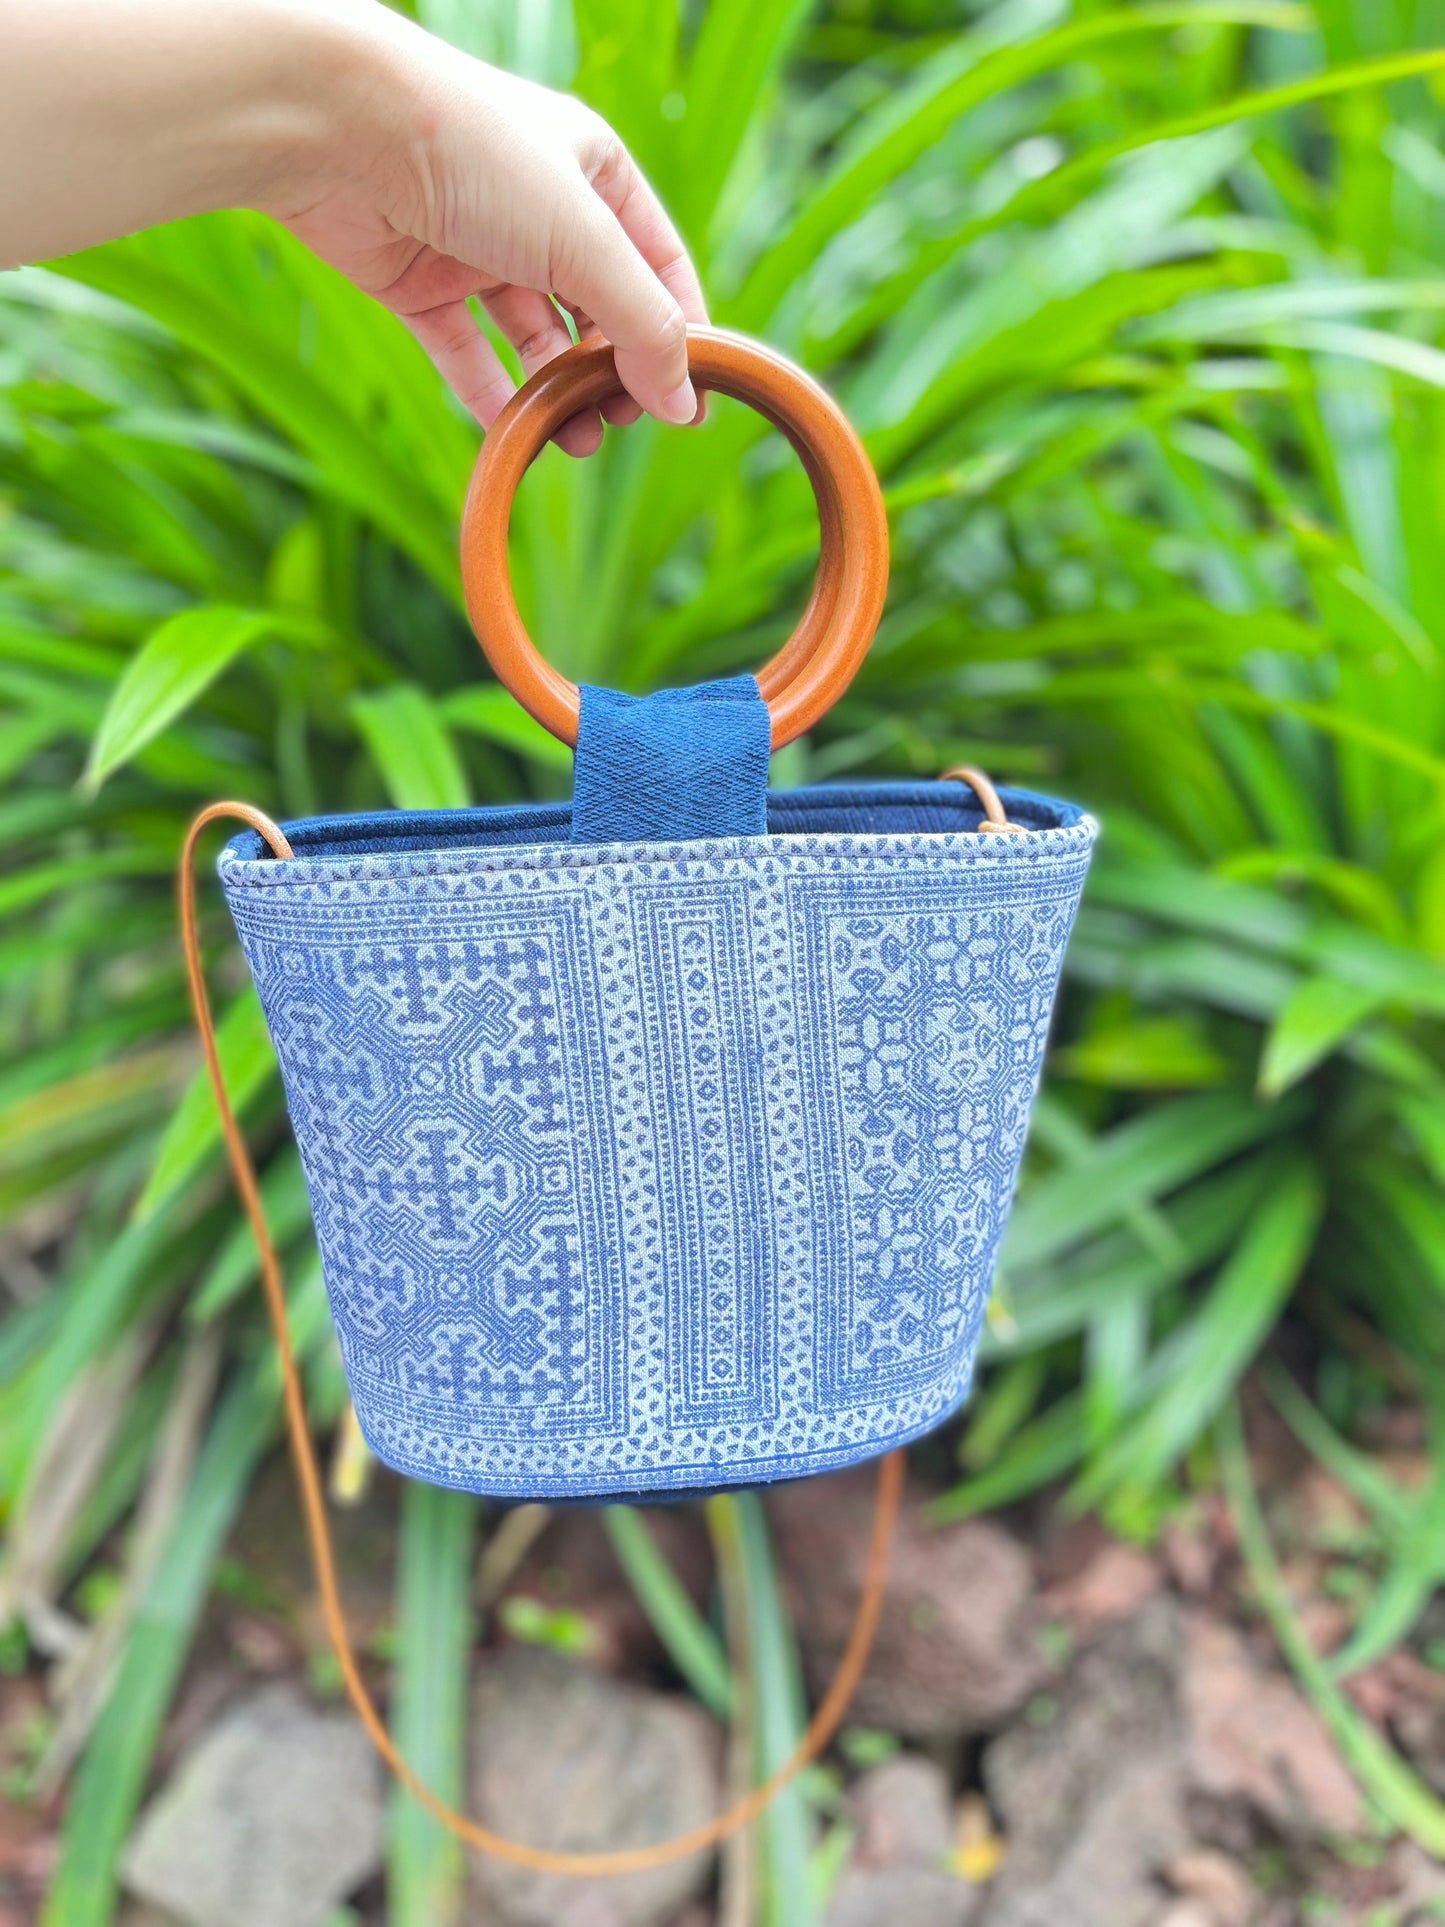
{"x":660,"y":1168}
{"x":679,"y":764}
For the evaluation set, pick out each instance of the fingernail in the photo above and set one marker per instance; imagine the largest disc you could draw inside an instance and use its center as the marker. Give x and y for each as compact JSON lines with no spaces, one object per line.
{"x":681,"y":404}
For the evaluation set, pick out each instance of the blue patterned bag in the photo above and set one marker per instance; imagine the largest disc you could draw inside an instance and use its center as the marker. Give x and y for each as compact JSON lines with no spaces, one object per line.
{"x":663,"y":1141}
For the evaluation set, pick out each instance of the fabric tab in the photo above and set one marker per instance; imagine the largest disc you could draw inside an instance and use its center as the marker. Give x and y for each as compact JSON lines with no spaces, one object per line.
{"x":666,"y":768}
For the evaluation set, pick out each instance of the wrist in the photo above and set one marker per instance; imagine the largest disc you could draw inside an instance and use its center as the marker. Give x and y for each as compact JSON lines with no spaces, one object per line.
{"x":348,"y":89}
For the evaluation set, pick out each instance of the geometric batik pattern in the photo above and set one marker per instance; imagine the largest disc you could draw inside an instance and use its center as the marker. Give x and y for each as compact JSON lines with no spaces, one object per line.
{"x":662,"y":1167}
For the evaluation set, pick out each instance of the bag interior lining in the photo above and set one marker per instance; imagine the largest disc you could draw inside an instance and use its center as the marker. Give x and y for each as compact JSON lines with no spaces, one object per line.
{"x":868,"y":809}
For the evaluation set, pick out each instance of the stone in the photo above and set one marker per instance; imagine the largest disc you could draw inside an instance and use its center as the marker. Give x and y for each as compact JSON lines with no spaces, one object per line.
{"x":897,"y":1873}
{"x":903,"y":1811}
{"x":1187,"y":1913}
{"x":1419,"y":1885}
{"x":1215,"y":1882}
{"x":577,"y":1761}
{"x":1170,"y":1722}
{"x":1092,"y":1804}
{"x":957,"y":1648}
{"x":1116,"y":1583}
{"x":1191,"y":1552}
{"x":1254,"y":1738}
{"x":271,"y":1819}
{"x":904,"y":1897}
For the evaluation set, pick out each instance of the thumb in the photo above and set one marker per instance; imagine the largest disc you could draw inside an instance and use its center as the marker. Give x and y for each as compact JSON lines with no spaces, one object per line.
{"x":599,"y":270}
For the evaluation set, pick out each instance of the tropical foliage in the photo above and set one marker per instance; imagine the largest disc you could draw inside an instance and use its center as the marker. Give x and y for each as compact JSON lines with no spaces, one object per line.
{"x":1139,"y":309}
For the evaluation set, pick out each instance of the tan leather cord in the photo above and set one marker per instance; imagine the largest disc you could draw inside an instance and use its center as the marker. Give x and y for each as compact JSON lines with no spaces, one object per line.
{"x":825,"y":1720}
{"x":994,"y":818}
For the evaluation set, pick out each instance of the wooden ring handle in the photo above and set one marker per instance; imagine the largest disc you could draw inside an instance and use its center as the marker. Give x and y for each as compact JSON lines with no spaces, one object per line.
{"x":821,"y":657}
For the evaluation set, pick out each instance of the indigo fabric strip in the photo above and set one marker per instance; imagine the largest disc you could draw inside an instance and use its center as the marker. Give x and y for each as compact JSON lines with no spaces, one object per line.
{"x":683,"y":763}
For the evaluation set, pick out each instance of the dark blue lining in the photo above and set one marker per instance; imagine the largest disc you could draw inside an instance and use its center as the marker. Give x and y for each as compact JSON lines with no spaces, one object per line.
{"x":843,"y":809}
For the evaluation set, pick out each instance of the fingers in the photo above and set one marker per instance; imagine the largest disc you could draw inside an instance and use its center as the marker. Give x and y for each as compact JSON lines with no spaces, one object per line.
{"x":621,"y":411}
{"x":473,"y":370}
{"x":623,"y":187}
{"x":614,"y":259}
{"x":464,"y":358}
{"x":618,"y":410}
{"x":538,"y":333}
{"x":598,"y":267}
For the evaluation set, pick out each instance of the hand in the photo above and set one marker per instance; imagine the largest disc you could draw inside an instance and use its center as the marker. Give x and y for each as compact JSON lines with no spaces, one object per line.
{"x":425,"y":176}
{"x":466,"y":181}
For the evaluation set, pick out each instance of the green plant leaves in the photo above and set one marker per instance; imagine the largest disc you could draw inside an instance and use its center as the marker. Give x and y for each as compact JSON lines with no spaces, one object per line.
{"x":1318,"y":1017}
{"x":1394,"y":1787}
{"x":1008,"y":49}
{"x":738,"y":52}
{"x":111,"y":1780}
{"x":248,"y":1065}
{"x":775,"y":1701}
{"x":174,"y":666}
{"x":1152,"y":354}
{"x":426,"y":1867}
{"x":1211,"y":1353}
{"x":691,"y":1643}
{"x":412,"y":747}
{"x":489,"y":711}
{"x":165,"y":275}
{"x":1133,"y":1165}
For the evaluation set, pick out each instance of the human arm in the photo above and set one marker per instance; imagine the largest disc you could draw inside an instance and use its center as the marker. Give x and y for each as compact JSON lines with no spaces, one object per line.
{"x":425,"y":176}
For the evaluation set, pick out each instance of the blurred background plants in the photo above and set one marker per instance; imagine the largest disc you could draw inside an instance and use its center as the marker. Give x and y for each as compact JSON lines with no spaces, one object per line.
{"x":1139,"y":309}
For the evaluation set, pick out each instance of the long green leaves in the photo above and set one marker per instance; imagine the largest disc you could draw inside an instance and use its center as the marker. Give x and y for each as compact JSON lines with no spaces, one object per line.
{"x":1210,"y":1354}
{"x":1412,"y":1523}
{"x":1319,"y":1016}
{"x":1394,"y":1787}
{"x":1150,"y":352}
{"x":248,"y":1064}
{"x":961,"y":77}
{"x":775,"y":1698}
{"x":181,"y":660}
{"x":426,"y":1869}
{"x":691,"y":1643}
{"x":111,"y":1780}
{"x":412,"y":748}
{"x":158,"y":274}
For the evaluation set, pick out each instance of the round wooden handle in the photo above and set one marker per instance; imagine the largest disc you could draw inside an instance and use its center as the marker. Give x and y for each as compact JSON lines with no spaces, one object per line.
{"x":819,"y":660}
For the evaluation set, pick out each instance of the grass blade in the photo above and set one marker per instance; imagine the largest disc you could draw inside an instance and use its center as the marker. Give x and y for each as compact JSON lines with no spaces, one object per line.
{"x":691,"y":1644}
{"x":194,"y":1132}
{"x":1355,"y":1470}
{"x":413,"y":749}
{"x":785,"y":1831}
{"x":1318,"y":1018}
{"x":1219,"y":1342}
{"x":425,"y":1865}
{"x":1394,"y":1787}
{"x":110,"y":1783}
{"x":493,"y":713}
{"x":278,"y":382}
{"x":175,"y":665}
{"x":1037,"y":1454}
{"x":1130,"y":1167}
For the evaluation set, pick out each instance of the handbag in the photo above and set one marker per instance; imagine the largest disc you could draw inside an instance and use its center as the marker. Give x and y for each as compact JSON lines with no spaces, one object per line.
{"x":661,"y":1142}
